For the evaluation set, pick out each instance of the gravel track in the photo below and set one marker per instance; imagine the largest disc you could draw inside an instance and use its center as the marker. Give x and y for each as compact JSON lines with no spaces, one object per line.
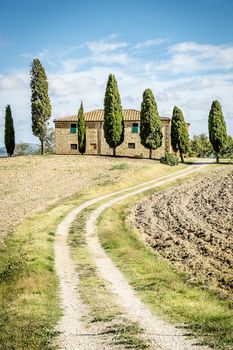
{"x":73,"y":333}
{"x":162,"y":335}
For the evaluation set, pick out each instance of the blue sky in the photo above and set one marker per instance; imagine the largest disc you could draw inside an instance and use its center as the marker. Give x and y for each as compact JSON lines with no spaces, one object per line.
{"x":181,"y":49}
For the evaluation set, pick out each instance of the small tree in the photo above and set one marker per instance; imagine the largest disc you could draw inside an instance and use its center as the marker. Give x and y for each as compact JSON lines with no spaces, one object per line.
{"x":49,"y":141}
{"x":200,"y":146}
{"x":217,"y":128}
{"x":179,"y":133}
{"x":24,"y":149}
{"x":113,"y":116}
{"x":9,"y":132}
{"x":150,"y":123}
{"x":81,"y":130}
{"x":40,"y":102}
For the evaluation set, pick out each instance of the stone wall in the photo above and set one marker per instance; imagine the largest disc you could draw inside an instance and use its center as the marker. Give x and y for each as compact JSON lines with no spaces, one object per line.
{"x":96,"y":144}
{"x":63,"y":138}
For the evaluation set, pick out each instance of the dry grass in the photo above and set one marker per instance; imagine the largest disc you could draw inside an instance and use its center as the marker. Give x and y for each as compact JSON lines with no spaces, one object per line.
{"x":30,"y":184}
{"x":29,"y":305}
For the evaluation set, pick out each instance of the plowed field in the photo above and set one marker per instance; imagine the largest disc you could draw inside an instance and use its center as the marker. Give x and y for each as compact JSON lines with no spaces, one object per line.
{"x":191,"y":225}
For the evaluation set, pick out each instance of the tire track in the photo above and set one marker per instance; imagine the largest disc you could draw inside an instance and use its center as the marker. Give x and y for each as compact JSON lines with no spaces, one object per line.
{"x":73,"y":333}
{"x":161,"y":334}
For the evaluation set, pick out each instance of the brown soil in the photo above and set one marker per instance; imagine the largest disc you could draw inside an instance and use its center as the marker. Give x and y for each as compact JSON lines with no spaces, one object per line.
{"x":192,"y":226}
{"x":29,"y":184}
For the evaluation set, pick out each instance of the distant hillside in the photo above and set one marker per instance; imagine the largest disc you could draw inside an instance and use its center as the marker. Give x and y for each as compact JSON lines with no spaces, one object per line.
{"x":22,"y":148}
{"x":2,"y":151}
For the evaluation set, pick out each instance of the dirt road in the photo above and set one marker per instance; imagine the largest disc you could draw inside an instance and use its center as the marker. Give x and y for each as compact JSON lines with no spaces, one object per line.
{"x":192,"y":226}
{"x":162,"y":335}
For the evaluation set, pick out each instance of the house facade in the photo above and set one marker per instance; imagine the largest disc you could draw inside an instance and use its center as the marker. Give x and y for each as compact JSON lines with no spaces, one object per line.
{"x":67,"y":138}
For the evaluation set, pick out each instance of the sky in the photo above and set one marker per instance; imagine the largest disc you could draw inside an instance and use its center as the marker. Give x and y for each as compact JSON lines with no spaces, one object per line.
{"x":181,"y":49}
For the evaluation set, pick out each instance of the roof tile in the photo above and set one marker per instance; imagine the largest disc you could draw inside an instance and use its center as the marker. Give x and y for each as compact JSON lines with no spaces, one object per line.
{"x":97,"y":115}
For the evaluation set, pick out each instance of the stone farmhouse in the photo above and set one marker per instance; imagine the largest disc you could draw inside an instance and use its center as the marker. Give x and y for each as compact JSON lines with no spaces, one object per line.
{"x":67,"y":139}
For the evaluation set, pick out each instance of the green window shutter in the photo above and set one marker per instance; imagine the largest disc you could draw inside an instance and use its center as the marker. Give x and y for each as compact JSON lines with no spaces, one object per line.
{"x":73,"y":128}
{"x":135,"y":128}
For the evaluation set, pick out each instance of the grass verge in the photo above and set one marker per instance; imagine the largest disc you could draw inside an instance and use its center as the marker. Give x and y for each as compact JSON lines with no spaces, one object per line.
{"x":29,"y":306}
{"x":163,"y":289}
{"x":96,"y":295}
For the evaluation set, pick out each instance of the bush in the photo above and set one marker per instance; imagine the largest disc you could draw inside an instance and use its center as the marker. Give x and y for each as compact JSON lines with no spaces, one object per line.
{"x":23,"y":149}
{"x":120,"y":166}
{"x":169,"y":159}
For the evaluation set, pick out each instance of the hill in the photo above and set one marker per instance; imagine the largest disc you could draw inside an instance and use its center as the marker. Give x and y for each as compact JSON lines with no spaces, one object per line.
{"x":31,"y":183}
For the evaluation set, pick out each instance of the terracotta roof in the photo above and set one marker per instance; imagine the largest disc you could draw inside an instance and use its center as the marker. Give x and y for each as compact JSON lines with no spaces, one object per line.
{"x":98,"y":115}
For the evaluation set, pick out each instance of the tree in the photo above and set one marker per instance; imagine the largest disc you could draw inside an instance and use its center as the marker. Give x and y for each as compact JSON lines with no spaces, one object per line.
{"x":150,"y":123}
{"x":179,"y":133}
{"x":81,"y":130}
{"x":200,"y":146}
{"x":40,"y":102}
{"x":217,"y":128}
{"x":49,"y":141}
{"x":227,"y":152}
{"x":9,"y":132}
{"x":113,"y":116}
{"x":24,"y":149}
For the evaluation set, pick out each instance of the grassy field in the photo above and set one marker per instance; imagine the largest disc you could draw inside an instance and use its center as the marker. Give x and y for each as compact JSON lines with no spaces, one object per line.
{"x":30,"y":184}
{"x":29,"y":305}
{"x":29,"y":288}
{"x":167,"y":292}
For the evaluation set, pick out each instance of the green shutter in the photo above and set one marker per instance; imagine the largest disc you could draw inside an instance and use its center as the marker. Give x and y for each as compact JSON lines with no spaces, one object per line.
{"x":73,"y":128}
{"x":135,"y":128}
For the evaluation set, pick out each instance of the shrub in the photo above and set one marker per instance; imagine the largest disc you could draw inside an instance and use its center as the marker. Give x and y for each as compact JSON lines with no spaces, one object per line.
{"x":120,"y":166}
{"x":169,"y":159}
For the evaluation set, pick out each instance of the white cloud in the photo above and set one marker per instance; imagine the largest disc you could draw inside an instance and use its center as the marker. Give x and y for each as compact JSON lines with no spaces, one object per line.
{"x":188,"y":57}
{"x":149,"y":43}
{"x":76,"y":76}
{"x":106,"y":45}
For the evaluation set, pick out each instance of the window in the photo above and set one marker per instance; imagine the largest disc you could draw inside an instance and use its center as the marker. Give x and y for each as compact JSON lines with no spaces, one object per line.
{"x":73,"y":146}
{"x":93,"y":145}
{"x":131,"y":145}
{"x":73,"y":128}
{"x":135,"y":128}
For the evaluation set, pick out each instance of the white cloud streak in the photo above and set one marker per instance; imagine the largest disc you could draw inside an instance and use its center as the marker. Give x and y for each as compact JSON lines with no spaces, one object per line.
{"x":189,"y":57}
{"x":188,"y":74}
{"x":102,"y":46}
{"x":149,"y":43}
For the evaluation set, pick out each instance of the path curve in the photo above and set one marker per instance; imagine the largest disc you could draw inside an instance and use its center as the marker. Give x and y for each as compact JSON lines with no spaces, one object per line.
{"x":73,"y":333}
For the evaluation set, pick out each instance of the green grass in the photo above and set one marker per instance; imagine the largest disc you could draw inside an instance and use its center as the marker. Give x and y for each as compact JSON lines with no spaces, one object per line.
{"x":164,"y":290}
{"x":120,"y":166}
{"x":29,"y":306}
{"x":96,"y":295}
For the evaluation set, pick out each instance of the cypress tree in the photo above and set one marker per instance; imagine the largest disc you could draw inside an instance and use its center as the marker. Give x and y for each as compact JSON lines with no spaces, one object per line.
{"x":9,"y":132}
{"x":179,"y":133}
{"x":81,"y":130}
{"x":150,"y":123}
{"x":217,"y":128}
{"x":113,"y":116}
{"x":40,"y":102}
